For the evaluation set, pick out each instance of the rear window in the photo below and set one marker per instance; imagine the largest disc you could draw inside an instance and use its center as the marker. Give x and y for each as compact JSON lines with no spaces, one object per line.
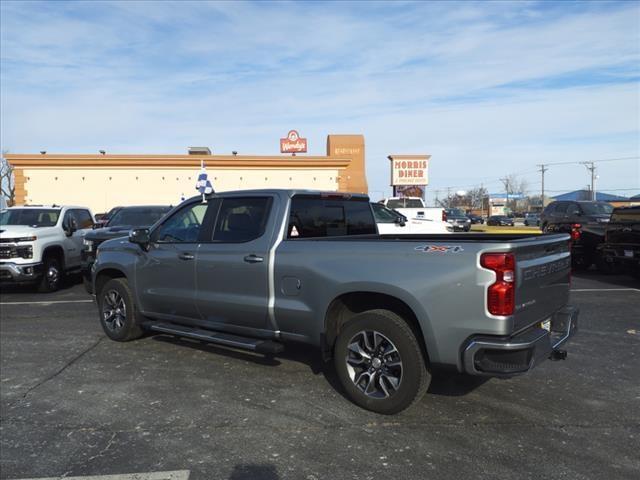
{"x":599,"y":208}
{"x":405,"y":203}
{"x":626,"y":215}
{"x":314,"y":217}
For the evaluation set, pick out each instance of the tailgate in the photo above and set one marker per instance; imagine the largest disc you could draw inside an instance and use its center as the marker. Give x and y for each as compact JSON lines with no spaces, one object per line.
{"x":543,"y":274}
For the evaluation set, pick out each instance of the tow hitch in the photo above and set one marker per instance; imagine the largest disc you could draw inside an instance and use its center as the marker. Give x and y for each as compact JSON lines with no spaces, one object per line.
{"x":558,"y":355}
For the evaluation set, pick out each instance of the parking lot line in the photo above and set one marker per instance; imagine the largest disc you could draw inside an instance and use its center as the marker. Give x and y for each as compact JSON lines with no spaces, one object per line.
{"x":169,"y":475}
{"x":46,"y":303}
{"x":605,"y":289}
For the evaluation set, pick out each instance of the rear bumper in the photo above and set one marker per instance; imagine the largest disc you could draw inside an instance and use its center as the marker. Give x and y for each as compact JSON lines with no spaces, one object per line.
{"x":620,"y":252}
{"x":508,"y":356}
{"x":20,"y":273}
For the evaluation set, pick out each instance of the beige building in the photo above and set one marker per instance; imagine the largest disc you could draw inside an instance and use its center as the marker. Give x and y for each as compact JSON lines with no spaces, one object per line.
{"x":103,"y":181}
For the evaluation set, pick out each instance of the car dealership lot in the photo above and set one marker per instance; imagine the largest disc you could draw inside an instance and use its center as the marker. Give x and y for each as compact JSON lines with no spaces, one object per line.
{"x":74,"y":403}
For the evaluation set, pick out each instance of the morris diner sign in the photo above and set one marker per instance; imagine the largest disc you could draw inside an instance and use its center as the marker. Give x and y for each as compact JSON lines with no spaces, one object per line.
{"x":293,"y":143}
{"x":410,"y":169}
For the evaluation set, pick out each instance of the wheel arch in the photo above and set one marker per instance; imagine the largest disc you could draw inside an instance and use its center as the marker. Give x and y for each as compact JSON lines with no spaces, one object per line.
{"x":104,"y":275}
{"x":345,"y":306}
{"x":54,"y":250}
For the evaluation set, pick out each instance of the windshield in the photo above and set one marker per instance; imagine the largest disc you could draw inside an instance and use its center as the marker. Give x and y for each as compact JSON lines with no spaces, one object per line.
{"x":455,"y":212}
{"x":600,"y":208}
{"x":405,"y":203}
{"x":31,"y":217}
{"x":139,"y":217}
{"x":383,"y":214}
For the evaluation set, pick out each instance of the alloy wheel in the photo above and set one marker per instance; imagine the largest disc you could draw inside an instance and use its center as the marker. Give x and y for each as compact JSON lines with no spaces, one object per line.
{"x":114,"y":310}
{"x":374,"y":364}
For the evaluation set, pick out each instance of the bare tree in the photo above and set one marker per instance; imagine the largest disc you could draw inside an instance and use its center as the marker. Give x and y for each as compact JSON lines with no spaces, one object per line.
{"x":7,"y":180}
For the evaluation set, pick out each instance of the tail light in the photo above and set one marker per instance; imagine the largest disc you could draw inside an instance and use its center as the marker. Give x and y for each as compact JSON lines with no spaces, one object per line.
{"x":444,"y":216}
{"x":501,"y":293}
{"x":576,"y":232}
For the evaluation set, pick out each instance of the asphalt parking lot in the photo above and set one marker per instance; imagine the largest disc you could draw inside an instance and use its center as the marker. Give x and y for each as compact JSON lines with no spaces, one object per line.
{"x":74,"y":403}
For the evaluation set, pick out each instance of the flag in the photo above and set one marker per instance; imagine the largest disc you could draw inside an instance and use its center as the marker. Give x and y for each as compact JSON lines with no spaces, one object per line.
{"x":203,"y":185}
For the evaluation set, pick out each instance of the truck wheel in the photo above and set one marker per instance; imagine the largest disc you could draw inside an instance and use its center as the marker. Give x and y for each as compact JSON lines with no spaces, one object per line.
{"x":380,"y":363}
{"x":51,"y":275}
{"x":118,"y":313}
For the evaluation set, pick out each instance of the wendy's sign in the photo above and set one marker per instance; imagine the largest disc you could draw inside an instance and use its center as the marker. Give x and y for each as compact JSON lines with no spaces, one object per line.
{"x":293,"y":143}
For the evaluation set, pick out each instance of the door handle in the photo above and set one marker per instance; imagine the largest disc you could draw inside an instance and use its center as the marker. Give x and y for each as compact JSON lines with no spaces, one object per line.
{"x":186,"y":256}
{"x":253,"y":259}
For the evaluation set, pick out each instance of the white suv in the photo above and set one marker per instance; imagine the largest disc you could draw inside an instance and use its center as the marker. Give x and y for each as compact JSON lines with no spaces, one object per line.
{"x":39,"y":244}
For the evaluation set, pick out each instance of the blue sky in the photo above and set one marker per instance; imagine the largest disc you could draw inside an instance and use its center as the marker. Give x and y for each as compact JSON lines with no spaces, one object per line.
{"x":488,"y":89}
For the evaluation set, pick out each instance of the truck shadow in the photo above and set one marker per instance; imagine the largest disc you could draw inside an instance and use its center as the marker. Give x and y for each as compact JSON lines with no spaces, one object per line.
{"x":621,"y":279}
{"x":450,"y":384}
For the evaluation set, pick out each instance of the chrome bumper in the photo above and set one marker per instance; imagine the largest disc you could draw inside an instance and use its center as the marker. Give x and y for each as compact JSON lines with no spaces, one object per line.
{"x":507,"y":356}
{"x":20,"y":273}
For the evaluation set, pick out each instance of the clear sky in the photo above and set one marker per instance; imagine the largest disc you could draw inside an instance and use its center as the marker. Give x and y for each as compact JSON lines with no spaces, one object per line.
{"x":488,"y":89}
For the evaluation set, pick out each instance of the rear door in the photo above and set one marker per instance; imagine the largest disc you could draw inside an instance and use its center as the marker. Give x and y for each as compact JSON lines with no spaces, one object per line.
{"x":543,"y":272}
{"x":232,"y":272}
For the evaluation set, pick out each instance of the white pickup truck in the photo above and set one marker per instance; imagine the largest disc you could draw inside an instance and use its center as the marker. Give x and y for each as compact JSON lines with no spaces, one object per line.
{"x":414,"y":207}
{"x":394,"y":223}
{"x":39,"y":244}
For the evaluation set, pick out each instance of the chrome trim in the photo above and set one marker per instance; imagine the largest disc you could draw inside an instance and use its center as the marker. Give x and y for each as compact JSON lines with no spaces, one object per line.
{"x":271,"y":270}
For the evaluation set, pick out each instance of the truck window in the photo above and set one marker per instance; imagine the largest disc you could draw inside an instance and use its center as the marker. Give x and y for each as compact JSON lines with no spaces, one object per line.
{"x":241,"y":219}
{"x":83,"y":217}
{"x":184,"y":225}
{"x":383,"y":214}
{"x":313,"y":217}
{"x":405,"y":203}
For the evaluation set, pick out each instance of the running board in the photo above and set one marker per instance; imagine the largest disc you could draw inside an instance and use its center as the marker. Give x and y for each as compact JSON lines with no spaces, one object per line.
{"x":246,"y":343}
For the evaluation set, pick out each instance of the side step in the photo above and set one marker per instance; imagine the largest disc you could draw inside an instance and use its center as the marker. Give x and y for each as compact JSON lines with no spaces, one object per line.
{"x":219,"y":338}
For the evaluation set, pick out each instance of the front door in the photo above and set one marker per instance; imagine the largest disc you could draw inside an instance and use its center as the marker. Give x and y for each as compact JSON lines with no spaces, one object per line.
{"x":165,"y":274}
{"x":232,"y":268}
{"x":72,"y":240}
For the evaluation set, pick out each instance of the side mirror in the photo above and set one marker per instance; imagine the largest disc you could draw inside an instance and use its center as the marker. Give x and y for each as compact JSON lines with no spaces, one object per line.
{"x":70,"y":226}
{"x":140,"y":236}
{"x":401,"y":221}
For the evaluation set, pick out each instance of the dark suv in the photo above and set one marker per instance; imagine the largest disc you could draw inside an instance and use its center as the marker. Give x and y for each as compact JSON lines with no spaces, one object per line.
{"x":585,"y":221}
{"x":621,"y":247}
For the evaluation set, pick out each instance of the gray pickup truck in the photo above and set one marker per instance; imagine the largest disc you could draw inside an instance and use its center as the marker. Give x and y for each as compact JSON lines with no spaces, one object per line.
{"x":257,"y":269}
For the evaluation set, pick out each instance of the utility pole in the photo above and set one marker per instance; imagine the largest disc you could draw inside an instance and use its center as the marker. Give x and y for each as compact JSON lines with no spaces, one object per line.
{"x":591,"y":166}
{"x":505,"y":180}
{"x":543,"y":168}
{"x":448,"y":197}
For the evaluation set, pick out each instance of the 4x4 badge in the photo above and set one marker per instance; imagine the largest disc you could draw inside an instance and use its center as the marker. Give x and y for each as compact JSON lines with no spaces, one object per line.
{"x":440,"y":248}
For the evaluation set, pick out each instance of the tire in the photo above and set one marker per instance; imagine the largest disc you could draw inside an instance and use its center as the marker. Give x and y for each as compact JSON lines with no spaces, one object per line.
{"x":392,"y":382}
{"x":51,"y":275}
{"x":604,"y":267}
{"x":119,"y":317}
{"x":581,"y":263}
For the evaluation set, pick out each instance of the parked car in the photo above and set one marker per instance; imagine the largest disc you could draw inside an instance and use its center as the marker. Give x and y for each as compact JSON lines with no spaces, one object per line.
{"x":500,"y":221}
{"x":585,"y":221}
{"x":621,"y":247}
{"x":392,"y":222}
{"x":101,"y":219}
{"x":414,"y":207}
{"x":118,"y":225}
{"x":475,"y":219}
{"x":40,"y":244}
{"x":532,"y":219}
{"x":458,"y":219}
{"x":257,"y":269}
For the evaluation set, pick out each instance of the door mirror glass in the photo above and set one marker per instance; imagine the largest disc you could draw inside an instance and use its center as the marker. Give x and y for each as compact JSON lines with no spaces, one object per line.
{"x":140,"y":236}
{"x":70,"y":225}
